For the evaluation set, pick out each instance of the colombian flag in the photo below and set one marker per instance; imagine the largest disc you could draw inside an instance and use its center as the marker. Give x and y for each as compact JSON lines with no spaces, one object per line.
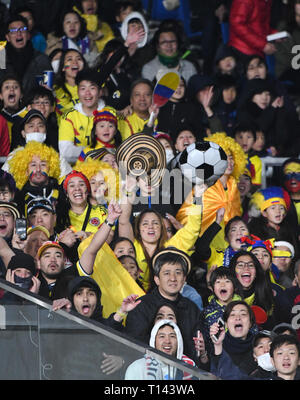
{"x":114,"y":280}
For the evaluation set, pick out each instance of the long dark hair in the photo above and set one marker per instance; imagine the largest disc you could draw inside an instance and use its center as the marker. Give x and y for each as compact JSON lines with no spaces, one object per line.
{"x":60,"y":77}
{"x":117,"y":137}
{"x":60,"y":27}
{"x":262,"y":286}
{"x":160,"y":244}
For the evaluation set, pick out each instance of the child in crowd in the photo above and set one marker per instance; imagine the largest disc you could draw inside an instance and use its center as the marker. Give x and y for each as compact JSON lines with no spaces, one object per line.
{"x":104,"y":132}
{"x":269,"y":211}
{"x":245,"y":135}
{"x":225,"y":289}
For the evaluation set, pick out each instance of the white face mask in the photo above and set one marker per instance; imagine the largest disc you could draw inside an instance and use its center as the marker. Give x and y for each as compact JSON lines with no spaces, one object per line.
{"x":35,"y":136}
{"x":169,"y":155}
{"x":264,"y":361}
{"x":55,"y":65}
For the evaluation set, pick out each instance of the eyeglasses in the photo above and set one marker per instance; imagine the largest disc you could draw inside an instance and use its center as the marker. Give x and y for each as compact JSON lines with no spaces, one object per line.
{"x":165,"y":42}
{"x":16,"y":30}
{"x":243,"y":265}
{"x":5,"y":215}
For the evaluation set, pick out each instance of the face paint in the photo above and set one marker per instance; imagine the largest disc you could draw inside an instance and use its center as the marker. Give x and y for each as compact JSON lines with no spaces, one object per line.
{"x":292,"y":182}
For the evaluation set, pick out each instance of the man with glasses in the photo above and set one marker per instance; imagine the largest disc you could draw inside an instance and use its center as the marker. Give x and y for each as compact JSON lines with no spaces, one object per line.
{"x":20,"y":56}
{"x":42,"y":99}
{"x":168,"y":56}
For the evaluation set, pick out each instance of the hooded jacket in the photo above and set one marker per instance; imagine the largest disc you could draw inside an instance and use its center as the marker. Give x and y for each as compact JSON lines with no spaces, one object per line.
{"x":149,"y":368}
{"x":85,"y":281}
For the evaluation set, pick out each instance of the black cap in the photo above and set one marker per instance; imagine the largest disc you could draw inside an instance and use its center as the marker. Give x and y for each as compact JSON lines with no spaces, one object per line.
{"x":31,"y":114}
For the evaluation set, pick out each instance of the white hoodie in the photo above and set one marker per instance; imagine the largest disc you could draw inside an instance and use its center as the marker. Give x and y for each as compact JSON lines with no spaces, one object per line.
{"x":149,"y":368}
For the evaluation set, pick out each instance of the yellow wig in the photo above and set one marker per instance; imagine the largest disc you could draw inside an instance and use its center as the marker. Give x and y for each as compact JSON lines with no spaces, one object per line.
{"x":18,"y":164}
{"x":230,"y":146}
{"x":111,"y":176}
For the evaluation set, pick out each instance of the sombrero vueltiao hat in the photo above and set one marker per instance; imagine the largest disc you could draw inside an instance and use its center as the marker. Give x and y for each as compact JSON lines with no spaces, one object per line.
{"x":142,"y":154}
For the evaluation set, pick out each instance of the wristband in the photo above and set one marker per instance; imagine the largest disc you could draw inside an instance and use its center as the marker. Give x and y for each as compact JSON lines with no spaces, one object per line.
{"x":121,"y":314}
{"x":108,"y":223}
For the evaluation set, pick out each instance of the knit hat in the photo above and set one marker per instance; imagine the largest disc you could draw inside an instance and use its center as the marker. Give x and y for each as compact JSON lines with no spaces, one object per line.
{"x":106,"y":114}
{"x":46,"y":245}
{"x":22,"y":260}
{"x":265,"y":198}
{"x":286,"y":244}
{"x":73,"y":174}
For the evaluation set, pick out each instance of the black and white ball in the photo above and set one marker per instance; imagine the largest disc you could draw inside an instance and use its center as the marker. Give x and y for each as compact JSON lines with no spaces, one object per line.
{"x":203,"y":162}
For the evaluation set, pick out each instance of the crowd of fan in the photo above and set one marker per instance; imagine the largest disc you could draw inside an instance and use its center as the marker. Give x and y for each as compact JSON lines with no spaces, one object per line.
{"x":233,"y":255}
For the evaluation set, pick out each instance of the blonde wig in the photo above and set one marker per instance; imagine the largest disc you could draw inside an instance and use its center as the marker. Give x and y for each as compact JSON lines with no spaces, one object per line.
{"x":111,"y":176}
{"x":231,"y":147}
{"x":18,"y":164}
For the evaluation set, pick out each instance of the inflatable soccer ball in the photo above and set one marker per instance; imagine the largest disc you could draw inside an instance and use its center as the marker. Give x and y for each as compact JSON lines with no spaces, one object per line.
{"x":203,"y":162}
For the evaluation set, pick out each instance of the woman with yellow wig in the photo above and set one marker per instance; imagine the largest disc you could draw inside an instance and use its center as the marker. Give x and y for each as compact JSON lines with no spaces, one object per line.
{"x":88,"y":189}
{"x":224,"y":193}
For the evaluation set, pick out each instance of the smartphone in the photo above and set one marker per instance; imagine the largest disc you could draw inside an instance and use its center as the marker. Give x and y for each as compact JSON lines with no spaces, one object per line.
{"x":221,"y":324}
{"x":21,"y":228}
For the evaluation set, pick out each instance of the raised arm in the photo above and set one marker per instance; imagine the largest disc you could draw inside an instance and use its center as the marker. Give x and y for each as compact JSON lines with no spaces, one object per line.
{"x":88,"y":256}
{"x":128,"y":197}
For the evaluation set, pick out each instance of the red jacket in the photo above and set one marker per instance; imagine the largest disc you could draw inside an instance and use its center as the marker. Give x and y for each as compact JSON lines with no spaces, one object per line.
{"x":4,"y":137}
{"x":249,"y":24}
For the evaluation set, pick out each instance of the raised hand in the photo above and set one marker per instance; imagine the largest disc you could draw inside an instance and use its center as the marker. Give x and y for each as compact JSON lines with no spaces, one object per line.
{"x":111,"y":363}
{"x":61,"y":303}
{"x":129,"y":303}
{"x":114,"y":211}
{"x":134,"y":37}
{"x":220,"y":215}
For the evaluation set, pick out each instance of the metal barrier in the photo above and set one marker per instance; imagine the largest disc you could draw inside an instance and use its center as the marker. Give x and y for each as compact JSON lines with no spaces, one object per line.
{"x":40,"y":344}
{"x":270,"y":162}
